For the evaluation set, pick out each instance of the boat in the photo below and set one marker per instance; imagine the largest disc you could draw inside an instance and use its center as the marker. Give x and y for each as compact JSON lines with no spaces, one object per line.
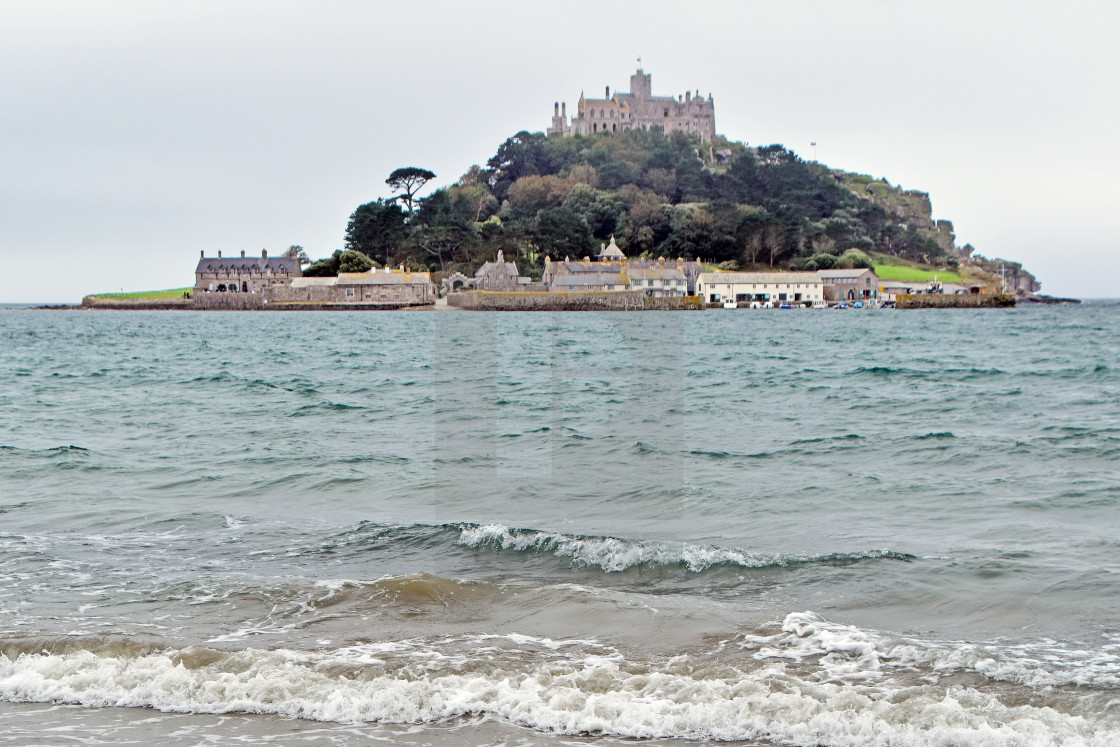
{"x":730,"y":305}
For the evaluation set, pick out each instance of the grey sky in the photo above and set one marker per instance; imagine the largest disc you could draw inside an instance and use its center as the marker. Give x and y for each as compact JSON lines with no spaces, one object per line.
{"x":135,"y":134}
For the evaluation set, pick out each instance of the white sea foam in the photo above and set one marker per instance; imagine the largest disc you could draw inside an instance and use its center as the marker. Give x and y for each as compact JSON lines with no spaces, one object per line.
{"x":573,"y":687}
{"x":613,"y":555}
{"x":845,"y":652}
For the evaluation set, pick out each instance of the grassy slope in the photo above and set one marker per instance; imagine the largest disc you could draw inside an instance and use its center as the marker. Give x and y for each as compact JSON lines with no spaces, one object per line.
{"x":915,"y":274}
{"x":170,"y":293}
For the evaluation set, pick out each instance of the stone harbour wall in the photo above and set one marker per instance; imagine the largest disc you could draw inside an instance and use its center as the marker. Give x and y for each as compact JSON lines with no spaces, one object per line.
{"x":954,"y":301}
{"x":587,"y":301}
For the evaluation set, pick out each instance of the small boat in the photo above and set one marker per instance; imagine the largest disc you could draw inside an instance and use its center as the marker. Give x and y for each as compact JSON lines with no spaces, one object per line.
{"x":786,"y":306}
{"x":842,"y":305}
{"x":857,"y":305}
{"x":730,"y":305}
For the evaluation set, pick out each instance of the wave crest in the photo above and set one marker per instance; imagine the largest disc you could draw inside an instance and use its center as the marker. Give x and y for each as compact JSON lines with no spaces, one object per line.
{"x":614,"y":555}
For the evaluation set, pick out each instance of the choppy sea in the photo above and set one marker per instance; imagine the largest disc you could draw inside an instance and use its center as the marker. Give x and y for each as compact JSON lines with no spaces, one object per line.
{"x":755,"y":527}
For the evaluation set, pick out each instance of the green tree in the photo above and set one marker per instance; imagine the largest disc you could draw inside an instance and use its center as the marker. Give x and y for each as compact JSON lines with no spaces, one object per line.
{"x":324,"y":268}
{"x":524,"y":154}
{"x":854,"y":258}
{"x":409,"y":179}
{"x":562,"y":232}
{"x":600,"y":209}
{"x":352,"y":261}
{"x":377,"y":229}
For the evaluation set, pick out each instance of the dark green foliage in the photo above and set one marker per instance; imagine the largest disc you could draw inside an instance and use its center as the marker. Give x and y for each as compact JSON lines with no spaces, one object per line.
{"x":562,"y":233}
{"x":601,"y":211}
{"x":352,"y":261}
{"x":324,"y":268}
{"x":824,"y":261}
{"x":854,"y":258}
{"x":658,"y":194}
{"x":524,"y":154}
{"x":376,"y":229}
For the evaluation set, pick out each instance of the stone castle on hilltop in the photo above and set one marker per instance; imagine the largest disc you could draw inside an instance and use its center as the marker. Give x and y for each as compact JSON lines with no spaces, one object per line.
{"x":638,"y":109}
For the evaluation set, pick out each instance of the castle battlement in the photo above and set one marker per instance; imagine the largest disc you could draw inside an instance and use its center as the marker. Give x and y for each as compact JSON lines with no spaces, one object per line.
{"x":638,"y":109}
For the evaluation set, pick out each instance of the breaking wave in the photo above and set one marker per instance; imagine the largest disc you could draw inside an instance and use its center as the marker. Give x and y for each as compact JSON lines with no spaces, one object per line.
{"x":808,"y":682}
{"x":613,"y":555}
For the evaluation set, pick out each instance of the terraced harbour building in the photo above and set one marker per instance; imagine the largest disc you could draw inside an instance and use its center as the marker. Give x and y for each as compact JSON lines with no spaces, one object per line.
{"x":638,"y":108}
{"x":801,"y":288}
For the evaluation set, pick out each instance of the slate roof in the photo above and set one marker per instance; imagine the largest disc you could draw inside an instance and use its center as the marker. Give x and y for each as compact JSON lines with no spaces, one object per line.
{"x":851,"y":274}
{"x":585,"y":279}
{"x":740,"y":278}
{"x":489,"y":268}
{"x":655,"y":273}
{"x":307,"y":282}
{"x":383,"y":278}
{"x":574,"y":267}
{"x":241,"y":265}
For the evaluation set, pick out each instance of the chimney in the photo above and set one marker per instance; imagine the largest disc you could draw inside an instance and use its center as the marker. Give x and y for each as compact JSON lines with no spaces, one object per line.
{"x":264,"y":254}
{"x":688,"y":97}
{"x":219,"y":254}
{"x":564,"y":109}
{"x":556,"y":109}
{"x":202,"y":254}
{"x":608,"y":92}
{"x":242,"y":254}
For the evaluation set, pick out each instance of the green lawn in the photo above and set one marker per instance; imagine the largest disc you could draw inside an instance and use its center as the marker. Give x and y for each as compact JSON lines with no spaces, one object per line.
{"x":170,"y":293}
{"x":914,"y":274}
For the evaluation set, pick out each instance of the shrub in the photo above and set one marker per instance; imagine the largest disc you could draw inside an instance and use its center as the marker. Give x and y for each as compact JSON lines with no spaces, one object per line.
{"x":854,"y":258}
{"x":352,"y":261}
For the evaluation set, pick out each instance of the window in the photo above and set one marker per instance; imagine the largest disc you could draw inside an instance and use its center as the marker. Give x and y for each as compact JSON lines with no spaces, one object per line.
{"x":349,"y":292}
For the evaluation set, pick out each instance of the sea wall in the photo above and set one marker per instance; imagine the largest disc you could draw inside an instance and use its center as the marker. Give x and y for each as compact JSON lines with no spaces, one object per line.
{"x":954,"y":301}
{"x":228,"y":301}
{"x":587,"y":301}
{"x":136,"y":304}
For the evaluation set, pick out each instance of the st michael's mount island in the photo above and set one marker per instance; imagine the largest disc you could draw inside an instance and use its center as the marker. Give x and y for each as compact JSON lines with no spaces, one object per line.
{"x":632,"y":203}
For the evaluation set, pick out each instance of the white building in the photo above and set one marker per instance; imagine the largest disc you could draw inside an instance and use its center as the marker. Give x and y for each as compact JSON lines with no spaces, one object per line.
{"x":798,"y":288}
{"x":658,"y":281}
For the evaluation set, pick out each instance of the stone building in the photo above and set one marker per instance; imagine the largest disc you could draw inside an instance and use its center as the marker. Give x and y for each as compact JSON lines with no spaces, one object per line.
{"x":499,"y":275}
{"x":611,"y":261}
{"x":658,"y":281}
{"x":388,"y":287}
{"x":856,"y":284}
{"x":243,"y":274}
{"x":639,"y":108}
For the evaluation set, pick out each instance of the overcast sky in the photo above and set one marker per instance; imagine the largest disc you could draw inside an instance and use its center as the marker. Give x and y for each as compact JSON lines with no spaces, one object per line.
{"x":135,"y":134}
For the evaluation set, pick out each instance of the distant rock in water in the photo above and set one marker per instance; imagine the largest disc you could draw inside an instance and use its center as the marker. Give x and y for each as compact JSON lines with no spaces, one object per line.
{"x":1037,"y":298}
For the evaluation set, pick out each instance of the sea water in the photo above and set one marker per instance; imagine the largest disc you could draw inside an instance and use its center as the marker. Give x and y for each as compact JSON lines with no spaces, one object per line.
{"x":761,"y":527}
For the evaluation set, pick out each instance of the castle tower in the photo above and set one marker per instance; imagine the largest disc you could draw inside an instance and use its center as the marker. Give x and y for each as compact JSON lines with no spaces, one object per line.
{"x":640,"y":85}
{"x":560,"y":120}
